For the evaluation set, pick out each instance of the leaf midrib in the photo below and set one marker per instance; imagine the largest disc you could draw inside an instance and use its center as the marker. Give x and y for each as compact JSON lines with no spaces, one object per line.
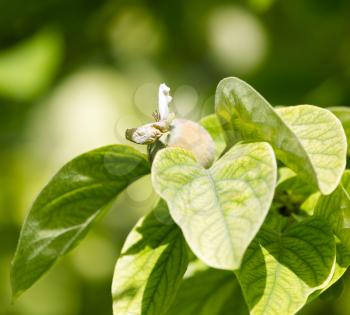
{"x":221,"y":211}
{"x":77,"y":190}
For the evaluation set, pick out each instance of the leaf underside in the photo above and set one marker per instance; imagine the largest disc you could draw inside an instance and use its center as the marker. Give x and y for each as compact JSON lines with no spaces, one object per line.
{"x":308,"y":139}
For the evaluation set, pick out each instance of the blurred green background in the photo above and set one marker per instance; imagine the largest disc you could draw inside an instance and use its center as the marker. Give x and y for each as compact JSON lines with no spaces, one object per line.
{"x":75,"y":74}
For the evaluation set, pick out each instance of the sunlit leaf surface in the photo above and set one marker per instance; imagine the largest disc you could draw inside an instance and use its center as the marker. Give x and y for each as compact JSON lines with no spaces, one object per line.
{"x":282,"y":267}
{"x":150,"y":269}
{"x":221,"y":209}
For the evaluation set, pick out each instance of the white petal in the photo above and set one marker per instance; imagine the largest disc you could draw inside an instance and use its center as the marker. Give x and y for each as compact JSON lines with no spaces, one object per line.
{"x":164,"y":99}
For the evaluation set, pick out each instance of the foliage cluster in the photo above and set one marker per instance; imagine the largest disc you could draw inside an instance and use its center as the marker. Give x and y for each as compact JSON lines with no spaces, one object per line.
{"x":269,"y":219}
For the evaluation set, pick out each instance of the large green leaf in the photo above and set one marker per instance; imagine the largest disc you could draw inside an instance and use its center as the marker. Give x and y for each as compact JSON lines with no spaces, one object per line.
{"x":308,"y":139}
{"x":343,"y":114}
{"x":212,"y":124}
{"x":209,"y":292}
{"x":65,"y":209}
{"x":150,"y":269}
{"x":220,"y":209}
{"x":282,"y":267}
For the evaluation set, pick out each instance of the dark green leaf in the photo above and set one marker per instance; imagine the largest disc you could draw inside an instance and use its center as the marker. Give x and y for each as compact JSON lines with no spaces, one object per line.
{"x":69,"y":204}
{"x":333,"y":292}
{"x":209,"y":292}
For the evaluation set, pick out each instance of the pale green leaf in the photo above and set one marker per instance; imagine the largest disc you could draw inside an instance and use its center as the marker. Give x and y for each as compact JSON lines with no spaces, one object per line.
{"x":209,"y":292}
{"x":220,"y":209}
{"x":310,"y":203}
{"x":284,"y":174}
{"x":69,"y":204}
{"x":282,"y":268}
{"x":212,"y":124}
{"x":323,"y":140}
{"x":343,"y":114}
{"x":308,"y":139}
{"x":151,"y":266}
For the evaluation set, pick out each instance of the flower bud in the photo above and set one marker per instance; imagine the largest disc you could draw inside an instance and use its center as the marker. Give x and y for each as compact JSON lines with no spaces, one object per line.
{"x":147,"y":134}
{"x":192,"y":137}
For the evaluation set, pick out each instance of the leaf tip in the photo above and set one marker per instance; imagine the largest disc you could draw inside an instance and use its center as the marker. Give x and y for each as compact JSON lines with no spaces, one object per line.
{"x":16,"y":287}
{"x":16,"y":292}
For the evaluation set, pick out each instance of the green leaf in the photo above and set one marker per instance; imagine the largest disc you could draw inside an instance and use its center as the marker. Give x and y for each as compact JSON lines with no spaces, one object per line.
{"x":343,"y":114}
{"x":212,"y":124}
{"x":220,"y":209}
{"x":151,"y":266}
{"x":209,"y":292}
{"x":293,"y":184}
{"x":308,"y":139}
{"x":283,"y":267}
{"x":335,"y":209}
{"x":342,"y":264}
{"x":69,"y":204}
{"x":333,"y":292}
{"x":310,"y":203}
{"x":291,"y":190}
{"x":294,"y":194}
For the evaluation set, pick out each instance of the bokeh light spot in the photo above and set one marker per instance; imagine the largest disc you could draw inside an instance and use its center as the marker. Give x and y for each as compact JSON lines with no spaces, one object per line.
{"x":237,"y":40}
